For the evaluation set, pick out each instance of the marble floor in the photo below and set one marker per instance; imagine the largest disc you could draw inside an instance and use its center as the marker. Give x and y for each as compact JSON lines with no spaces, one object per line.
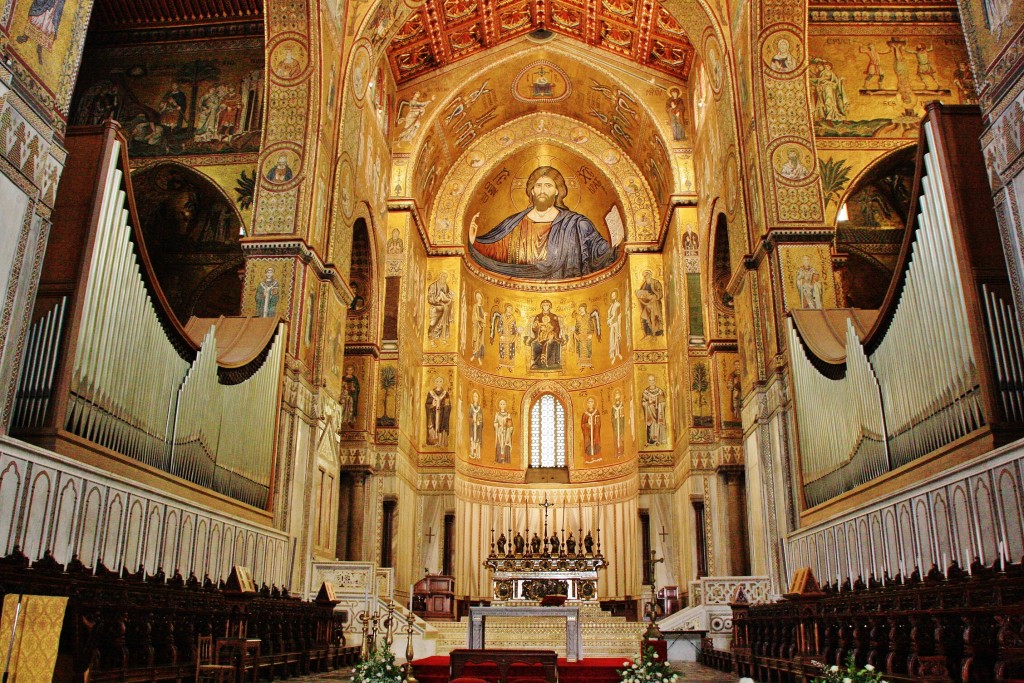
{"x":689,"y":672}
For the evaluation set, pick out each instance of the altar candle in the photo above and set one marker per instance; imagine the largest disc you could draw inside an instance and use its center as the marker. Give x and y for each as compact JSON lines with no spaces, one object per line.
{"x":411,"y":586}
{"x":945,"y":564}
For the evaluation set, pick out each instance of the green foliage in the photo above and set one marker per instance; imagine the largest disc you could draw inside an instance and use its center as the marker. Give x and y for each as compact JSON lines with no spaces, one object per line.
{"x":379,"y":667}
{"x":245,"y":187}
{"x":649,"y":669}
{"x":701,"y":384}
{"x":850,"y":673}
{"x":835,"y":174}
{"x":388,"y":381}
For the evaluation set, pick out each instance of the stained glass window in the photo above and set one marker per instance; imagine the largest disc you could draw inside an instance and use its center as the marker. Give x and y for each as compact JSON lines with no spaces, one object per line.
{"x":547,"y":432}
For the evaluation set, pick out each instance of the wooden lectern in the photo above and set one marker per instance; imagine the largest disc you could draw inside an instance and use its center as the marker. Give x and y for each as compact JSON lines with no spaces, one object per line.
{"x":433,"y":597}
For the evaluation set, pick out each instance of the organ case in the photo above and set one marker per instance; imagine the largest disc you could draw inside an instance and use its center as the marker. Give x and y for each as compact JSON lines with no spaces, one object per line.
{"x":108,"y":369}
{"x":940,"y":368}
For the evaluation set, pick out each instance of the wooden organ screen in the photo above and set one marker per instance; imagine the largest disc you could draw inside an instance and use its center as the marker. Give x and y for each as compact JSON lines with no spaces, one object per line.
{"x":942,"y":367}
{"x":107,"y":365}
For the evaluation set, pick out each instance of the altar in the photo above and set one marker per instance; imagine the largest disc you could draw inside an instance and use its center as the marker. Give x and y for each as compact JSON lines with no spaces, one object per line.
{"x":529,"y":569}
{"x":573,"y":627}
{"x":531,"y":579}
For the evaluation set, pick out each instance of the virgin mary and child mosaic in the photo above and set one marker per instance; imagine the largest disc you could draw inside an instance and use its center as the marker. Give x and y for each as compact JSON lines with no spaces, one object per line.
{"x":546,"y":240}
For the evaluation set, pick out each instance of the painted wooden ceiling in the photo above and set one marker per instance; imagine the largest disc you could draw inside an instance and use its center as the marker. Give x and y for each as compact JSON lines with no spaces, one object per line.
{"x":129,"y":14}
{"x":444,"y":31}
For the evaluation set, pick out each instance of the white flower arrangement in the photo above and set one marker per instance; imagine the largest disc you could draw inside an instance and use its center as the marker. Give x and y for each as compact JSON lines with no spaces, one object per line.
{"x":850,"y":673}
{"x":647,"y":670}
{"x":379,"y":666}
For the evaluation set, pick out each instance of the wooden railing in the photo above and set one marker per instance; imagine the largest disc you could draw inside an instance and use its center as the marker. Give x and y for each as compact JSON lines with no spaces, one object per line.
{"x":965,"y":628}
{"x":143,"y":627}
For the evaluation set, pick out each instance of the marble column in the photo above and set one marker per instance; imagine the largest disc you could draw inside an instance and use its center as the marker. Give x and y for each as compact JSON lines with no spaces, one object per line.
{"x":344,"y":501}
{"x":357,"y":516}
{"x":736,"y":513}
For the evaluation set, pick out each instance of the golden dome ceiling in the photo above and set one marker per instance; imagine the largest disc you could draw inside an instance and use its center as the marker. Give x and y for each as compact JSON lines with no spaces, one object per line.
{"x":444,"y":31}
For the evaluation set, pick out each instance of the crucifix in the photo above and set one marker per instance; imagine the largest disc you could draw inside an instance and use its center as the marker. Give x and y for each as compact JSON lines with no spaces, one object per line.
{"x":653,"y":561}
{"x":546,"y":505}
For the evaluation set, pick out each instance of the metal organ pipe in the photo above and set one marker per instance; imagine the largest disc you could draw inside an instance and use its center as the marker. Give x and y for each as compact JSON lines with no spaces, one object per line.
{"x":1005,"y":335}
{"x":35,"y":384}
{"x":248,"y":421}
{"x":920,"y":387}
{"x":130,"y":390}
{"x":126,"y":371}
{"x":925,"y":364}
{"x":841,"y":424}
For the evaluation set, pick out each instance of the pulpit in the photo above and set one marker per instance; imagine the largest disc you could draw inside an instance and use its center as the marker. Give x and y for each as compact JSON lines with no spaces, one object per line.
{"x":668,"y":597}
{"x":433,"y":597}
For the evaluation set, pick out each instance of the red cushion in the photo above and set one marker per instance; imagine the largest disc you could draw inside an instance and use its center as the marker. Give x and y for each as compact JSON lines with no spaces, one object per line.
{"x":488,"y":671}
{"x":467,"y":679}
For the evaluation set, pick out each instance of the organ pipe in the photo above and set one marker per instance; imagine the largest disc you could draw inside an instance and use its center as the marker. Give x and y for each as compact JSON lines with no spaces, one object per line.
{"x":944,"y":359}
{"x":106,"y":362}
{"x":841,"y":423}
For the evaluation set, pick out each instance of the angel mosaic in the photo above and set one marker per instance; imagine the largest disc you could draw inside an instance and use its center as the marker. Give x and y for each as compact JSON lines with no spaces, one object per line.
{"x":505,"y":326}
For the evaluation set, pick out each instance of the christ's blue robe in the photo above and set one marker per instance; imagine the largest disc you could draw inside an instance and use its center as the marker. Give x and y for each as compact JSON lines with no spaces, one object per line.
{"x":575,"y":248}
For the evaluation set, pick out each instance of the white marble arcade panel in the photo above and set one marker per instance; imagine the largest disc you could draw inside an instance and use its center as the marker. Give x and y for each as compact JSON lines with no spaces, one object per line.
{"x":972,"y":510}
{"x":50,"y":502}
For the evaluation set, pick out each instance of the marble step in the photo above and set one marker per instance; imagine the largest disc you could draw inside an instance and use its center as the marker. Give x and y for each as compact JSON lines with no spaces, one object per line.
{"x":603,"y":635}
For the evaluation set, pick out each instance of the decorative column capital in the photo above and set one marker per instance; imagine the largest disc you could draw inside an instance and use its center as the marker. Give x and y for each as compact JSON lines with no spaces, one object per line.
{"x":358,"y":473}
{"x":732,"y":474}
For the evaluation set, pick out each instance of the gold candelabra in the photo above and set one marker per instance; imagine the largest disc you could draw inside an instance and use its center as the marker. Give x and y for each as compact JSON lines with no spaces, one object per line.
{"x":364,"y":650}
{"x":409,"y":652}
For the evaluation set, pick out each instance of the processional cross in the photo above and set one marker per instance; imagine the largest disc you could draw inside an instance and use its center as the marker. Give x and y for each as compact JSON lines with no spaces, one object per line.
{"x":653,"y":632}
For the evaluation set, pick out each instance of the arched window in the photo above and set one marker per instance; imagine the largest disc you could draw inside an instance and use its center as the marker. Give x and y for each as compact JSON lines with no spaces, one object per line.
{"x":547,"y":432}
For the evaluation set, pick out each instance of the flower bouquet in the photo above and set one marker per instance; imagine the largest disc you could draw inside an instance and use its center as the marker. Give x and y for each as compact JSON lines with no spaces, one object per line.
{"x":379,"y":666}
{"x":850,"y":673}
{"x":649,"y":669}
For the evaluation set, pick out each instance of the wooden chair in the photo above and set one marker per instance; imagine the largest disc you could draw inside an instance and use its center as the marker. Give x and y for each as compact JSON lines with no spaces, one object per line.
{"x":206,"y":668}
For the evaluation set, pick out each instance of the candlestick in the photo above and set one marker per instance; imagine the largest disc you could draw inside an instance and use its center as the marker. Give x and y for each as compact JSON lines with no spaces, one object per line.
{"x":409,"y":653}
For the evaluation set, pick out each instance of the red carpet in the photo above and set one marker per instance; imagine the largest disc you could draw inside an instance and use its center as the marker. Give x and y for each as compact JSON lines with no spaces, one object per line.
{"x":592,"y":670}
